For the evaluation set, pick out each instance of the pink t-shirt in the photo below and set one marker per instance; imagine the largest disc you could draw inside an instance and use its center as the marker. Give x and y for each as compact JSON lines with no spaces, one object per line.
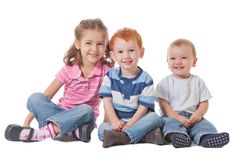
{"x":78,"y":90}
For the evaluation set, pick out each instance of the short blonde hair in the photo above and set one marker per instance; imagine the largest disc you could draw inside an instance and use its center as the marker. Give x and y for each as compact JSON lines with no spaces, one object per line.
{"x":183,"y":42}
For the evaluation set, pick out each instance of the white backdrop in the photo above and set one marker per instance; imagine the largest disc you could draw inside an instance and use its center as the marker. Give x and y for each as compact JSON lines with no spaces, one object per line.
{"x":34,"y":35}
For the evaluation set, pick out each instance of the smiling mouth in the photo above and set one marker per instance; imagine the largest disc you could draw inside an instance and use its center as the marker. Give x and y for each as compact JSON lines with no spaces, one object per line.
{"x":178,"y":68}
{"x":93,"y":55}
{"x":127,"y":62}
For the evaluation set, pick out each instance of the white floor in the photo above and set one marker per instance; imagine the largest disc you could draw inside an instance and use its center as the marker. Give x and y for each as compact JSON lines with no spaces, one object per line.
{"x":94,"y":148}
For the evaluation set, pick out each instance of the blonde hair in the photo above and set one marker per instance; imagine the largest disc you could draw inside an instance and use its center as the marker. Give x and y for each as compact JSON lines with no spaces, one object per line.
{"x":126,"y":34}
{"x":183,"y":42}
{"x":73,"y":55}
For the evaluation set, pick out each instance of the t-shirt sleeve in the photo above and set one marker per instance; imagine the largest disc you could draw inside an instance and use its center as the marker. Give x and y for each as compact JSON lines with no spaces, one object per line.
{"x":161,"y":90}
{"x":147,"y":97}
{"x":63,"y":75}
{"x":205,"y":94}
{"x":105,"y":89}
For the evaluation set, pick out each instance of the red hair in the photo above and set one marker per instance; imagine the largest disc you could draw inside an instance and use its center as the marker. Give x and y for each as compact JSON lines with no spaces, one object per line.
{"x":126,"y":34}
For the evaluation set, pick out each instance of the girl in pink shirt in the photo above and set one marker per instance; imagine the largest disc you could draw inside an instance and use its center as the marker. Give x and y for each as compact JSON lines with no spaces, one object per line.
{"x":86,"y":63}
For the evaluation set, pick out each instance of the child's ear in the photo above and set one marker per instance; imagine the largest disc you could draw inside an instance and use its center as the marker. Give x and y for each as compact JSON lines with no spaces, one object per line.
{"x":142,"y":52}
{"x":194,"y":62}
{"x":112,"y":55}
{"x":77,"y":44}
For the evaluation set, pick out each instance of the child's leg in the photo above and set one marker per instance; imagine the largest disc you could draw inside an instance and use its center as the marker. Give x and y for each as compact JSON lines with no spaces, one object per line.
{"x":142,"y":127}
{"x":101,"y":128}
{"x":205,"y":134}
{"x":175,"y":133}
{"x":79,"y":121}
{"x":42,"y":108}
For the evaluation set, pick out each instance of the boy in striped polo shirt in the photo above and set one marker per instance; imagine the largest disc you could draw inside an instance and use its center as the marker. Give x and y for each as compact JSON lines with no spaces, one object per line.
{"x":128,"y":95}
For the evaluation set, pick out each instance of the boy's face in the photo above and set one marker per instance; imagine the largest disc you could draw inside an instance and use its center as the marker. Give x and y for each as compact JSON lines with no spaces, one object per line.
{"x":180,"y":60}
{"x":127,"y":54}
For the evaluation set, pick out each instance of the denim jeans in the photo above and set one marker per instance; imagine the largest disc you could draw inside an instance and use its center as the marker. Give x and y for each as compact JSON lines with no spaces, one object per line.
{"x":137,"y":131}
{"x":46,"y":111}
{"x":195,"y":132}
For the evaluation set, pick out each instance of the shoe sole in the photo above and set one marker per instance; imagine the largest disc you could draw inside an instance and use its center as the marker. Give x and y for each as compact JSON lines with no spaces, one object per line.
{"x":217,"y":140}
{"x":181,"y":141}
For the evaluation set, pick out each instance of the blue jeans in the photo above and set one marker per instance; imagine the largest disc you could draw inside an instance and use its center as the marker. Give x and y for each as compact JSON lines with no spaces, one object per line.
{"x":46,"y":111}
{"x":204,"y":127}
{"x":136,"y":132}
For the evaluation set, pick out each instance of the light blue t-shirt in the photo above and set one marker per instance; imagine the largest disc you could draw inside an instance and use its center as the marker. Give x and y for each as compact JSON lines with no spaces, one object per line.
{"x":182,"y":94}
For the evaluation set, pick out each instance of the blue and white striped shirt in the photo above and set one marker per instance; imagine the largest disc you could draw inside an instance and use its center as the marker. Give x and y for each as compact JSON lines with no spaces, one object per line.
{"x":128,"y":93}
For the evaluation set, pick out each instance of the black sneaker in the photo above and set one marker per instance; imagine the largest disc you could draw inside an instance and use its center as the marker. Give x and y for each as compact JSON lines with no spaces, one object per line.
{"x":85,"y":132}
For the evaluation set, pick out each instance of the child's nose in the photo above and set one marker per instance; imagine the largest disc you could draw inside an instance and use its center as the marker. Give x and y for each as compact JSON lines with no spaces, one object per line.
{"x":94,"y":47}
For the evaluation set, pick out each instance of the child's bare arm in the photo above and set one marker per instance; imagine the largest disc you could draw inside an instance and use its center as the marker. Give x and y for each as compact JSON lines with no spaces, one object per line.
{"x":169,"y":112}
{"x":142,"y":110}
{"x":116,"y":123}
{"x":199,"y":113}
{"x":52,"y":89}
{"x":28,"y":119}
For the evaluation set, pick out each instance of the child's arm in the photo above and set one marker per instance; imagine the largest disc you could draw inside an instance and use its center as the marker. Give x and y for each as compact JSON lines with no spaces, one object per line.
{"x":116,"y":123}
{"x":199,"y":113}
{"x":142,"y":110}
{"x":52,"y":89}
{"x":28,"y":119}
{"x":169,"y":112}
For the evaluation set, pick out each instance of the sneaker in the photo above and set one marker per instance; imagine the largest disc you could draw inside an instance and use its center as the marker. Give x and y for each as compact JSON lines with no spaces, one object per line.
{"x":215,"y":140}
{"x":154,"y":137}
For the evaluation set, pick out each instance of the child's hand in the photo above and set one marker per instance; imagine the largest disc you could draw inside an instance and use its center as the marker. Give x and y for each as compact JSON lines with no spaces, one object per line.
{"x":117,"y":125}
{"x":26,"y":124}
{"x":126,"y":126}
{"x":184,"y":121}
{"x":195,"y":118}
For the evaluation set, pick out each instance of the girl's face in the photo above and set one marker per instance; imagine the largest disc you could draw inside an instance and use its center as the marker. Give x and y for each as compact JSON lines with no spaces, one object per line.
{"x":92,"y":46}
{"x":127,"y":54}
{"x":181,"y":60}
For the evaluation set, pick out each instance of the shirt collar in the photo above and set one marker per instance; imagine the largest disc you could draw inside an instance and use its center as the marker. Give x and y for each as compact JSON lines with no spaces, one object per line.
{"x":95,"y":72}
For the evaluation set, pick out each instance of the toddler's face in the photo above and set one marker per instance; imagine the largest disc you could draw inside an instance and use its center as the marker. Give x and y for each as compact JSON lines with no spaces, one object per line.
{"x":180,"y":60}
